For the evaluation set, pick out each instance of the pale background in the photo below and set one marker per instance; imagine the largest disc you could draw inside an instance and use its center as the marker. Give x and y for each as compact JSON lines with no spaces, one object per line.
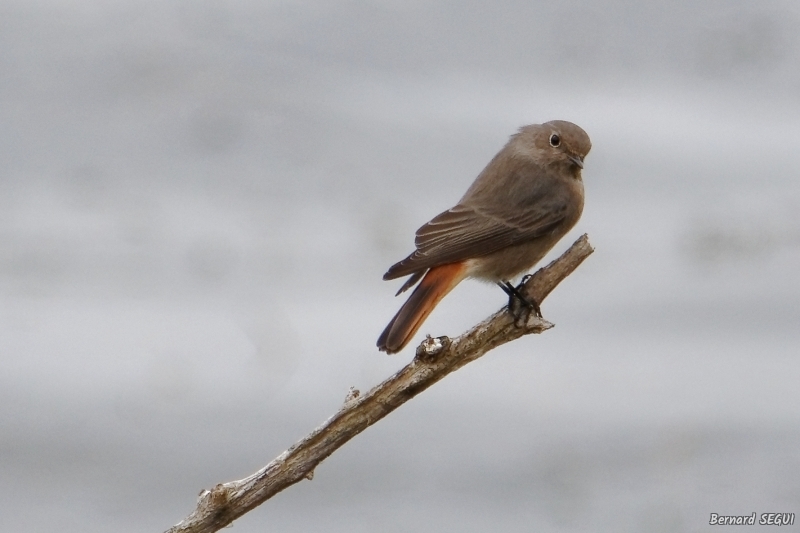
{"x":198,"y":200}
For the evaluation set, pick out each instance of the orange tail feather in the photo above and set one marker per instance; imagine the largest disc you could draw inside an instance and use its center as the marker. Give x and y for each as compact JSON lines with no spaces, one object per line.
{"x":434,"y":286}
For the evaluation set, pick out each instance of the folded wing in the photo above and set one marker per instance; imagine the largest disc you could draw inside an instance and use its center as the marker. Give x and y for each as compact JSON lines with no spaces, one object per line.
{"x":466,"y":232}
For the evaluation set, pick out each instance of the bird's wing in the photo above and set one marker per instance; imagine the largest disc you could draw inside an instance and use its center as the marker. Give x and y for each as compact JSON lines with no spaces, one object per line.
{"x":465,"y":232}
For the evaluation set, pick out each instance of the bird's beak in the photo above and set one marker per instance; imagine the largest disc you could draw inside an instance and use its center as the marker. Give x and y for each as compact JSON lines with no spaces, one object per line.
{"x":575,"y":159}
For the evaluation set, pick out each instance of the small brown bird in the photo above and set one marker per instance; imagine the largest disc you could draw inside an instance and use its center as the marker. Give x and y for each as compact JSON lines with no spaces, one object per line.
{"x":527,"y":198}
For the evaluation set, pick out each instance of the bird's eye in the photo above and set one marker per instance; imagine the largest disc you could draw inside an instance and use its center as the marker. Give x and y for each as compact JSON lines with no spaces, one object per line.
{"x":555,"y":140}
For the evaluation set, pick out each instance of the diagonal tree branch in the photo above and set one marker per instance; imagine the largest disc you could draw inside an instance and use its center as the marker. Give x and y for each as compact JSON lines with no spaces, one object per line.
{"x":435,"y":358}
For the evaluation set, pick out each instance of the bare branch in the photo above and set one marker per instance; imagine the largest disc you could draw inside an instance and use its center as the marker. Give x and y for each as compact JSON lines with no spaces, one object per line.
{"x":435,"y":358}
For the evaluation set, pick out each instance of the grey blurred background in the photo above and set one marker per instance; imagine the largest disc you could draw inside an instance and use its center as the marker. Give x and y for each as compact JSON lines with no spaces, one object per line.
{"x":198,"y":200}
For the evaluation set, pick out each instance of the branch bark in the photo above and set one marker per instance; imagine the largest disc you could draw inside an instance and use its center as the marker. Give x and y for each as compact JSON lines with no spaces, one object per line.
{"x":435,"y":358}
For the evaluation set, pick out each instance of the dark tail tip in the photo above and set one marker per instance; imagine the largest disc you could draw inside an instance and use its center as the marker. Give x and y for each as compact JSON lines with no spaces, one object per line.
{"x":382,"y":346}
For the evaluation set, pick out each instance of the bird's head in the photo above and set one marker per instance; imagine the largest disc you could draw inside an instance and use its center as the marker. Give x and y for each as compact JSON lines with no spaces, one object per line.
{"x":557,"y":142}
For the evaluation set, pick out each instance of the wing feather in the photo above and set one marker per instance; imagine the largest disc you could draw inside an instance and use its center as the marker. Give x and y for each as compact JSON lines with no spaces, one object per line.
{"x":465,"y":232}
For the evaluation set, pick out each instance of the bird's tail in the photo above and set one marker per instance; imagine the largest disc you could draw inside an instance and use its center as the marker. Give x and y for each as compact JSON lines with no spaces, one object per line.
{"x":439,"y":281}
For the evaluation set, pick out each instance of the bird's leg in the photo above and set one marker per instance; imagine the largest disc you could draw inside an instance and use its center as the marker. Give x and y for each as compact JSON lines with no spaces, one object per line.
{"x":519,"y":306}
{"x":515,"y":294}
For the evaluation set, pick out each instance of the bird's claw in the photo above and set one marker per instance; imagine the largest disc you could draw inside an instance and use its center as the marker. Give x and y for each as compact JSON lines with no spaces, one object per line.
{"x":519,"y":305}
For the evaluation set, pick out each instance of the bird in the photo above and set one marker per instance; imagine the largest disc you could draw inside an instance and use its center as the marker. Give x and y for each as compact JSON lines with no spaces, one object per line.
{"x":520,"y":205}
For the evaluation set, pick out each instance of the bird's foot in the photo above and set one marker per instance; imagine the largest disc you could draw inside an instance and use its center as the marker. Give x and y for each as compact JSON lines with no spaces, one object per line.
{"x":519,"y":305}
